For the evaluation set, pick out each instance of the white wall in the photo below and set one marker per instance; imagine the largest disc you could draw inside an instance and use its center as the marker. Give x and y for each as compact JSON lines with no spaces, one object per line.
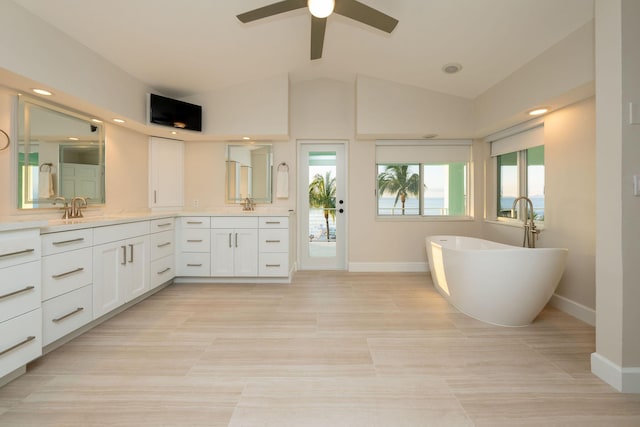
{"x":560,"y":76}
{"x":37,"y":51}
{"x":617,"y":357}
{"x":392,"y":110}
{"x":255,"y":109}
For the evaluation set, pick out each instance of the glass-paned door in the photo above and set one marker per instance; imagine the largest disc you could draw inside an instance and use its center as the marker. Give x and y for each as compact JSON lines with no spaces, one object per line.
{"x":323,"y":207}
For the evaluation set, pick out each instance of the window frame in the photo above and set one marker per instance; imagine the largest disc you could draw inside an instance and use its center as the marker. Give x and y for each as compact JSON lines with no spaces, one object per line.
{"x":429,"y":145}
{"x":522,"y":185}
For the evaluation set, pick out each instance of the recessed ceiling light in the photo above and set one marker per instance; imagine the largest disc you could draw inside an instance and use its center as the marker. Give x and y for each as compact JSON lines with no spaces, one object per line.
{"x":246,"y":138}
{"x":96,"y":120}
{"x":73,"y":138}
{"x":42,"y":92}
{"x":173,"y":132}
{"x":451,"y":68}
{"x":118,"y":120}
{"x":538,"y":111}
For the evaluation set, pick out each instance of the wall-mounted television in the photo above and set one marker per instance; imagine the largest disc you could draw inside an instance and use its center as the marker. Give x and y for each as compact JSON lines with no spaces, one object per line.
{"x":173,"y":113}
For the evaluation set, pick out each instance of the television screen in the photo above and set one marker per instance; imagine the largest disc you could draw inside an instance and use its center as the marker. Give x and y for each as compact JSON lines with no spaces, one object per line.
{"x":173,"y":113}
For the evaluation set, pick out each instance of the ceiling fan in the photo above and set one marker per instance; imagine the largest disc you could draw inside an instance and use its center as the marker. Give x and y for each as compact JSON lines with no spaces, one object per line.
{"x":320,"y":10}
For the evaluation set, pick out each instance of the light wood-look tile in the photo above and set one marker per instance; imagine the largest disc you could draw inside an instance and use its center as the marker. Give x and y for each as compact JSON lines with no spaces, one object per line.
{"x":329,"y":349}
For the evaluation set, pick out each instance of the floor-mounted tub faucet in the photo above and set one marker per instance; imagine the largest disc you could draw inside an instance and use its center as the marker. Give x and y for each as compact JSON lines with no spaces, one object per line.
{"x":530,"y":230}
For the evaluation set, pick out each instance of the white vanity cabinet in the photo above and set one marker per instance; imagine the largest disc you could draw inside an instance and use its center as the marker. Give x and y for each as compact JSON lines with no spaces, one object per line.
{"x":194,"y":257}
{"x":67,"y":277}
{"x":120,"y":265}
{"x":20,"y":295}
{"x":161,"y":251}
{"x":166,"y":173}
{"x":273,"y":256}
{"x":234,"y":246}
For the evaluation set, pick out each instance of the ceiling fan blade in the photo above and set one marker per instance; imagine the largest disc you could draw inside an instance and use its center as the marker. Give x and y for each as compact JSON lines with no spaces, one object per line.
{"x":367,"y":15}
{"x":271,"y":9}
{"x":318,"y":25}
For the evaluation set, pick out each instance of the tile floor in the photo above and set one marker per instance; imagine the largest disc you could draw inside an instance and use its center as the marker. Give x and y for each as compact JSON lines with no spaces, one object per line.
{"x":329,"y":349}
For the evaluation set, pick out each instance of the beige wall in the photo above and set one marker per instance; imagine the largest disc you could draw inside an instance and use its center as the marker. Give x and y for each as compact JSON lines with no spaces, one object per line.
{"x":569,"y":143}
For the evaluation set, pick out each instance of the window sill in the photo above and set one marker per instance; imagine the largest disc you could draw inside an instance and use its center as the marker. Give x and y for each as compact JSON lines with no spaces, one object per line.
{"x":418,"y":218}
{"x":514,"y":223}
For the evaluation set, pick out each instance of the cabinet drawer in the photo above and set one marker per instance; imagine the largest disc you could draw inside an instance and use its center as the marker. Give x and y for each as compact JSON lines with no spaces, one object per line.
{"x":195,"y":222}
{"x":19,"y":289}
{"x":54,"y":243}
{"x":162,"y":244}
{"x":66,"y":313}
{"x":234,"y":222}
{"x":273,"y":264}
{"x":274,"y":222}
{"x":20,"y":341}
{"x":161,"y":270}
{"x":18,"y":247}
{"x":113,"y":233}
{"x":274,"y":240}
{"x":64,"y":272}
{"x":194,"y":264}
{"x":161,"y":224}
{"x":195,"y":240}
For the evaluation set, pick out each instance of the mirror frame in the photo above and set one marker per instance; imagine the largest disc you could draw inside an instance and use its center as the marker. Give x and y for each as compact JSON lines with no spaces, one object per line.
{"x":23,"y":145}
{"x":235,"y":173}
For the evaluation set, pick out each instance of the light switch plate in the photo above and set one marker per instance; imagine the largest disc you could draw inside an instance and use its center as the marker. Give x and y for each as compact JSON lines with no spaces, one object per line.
{"x":636,"y":185}
{"x":634,"y":113}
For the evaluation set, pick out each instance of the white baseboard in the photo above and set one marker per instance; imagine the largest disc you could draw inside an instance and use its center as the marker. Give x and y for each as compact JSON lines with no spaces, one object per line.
{"x":577,"y":310}
{"x":388,"y":267}
{"x":625,"y":380}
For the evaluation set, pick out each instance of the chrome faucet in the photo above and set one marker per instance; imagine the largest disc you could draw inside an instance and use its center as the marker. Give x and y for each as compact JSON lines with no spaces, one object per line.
{"x":66,"y":210}
{"x":76,"y":206}
{"x":530,"y":230}
{"x":248,"y":204}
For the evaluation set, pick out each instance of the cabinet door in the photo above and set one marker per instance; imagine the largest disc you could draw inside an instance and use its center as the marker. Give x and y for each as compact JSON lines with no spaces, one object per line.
{"x":109,"y":261}
{"x":222,"y":247}
{"x":166,"y":173}
{"x":245,"y":258}
{"x":137,"y":271}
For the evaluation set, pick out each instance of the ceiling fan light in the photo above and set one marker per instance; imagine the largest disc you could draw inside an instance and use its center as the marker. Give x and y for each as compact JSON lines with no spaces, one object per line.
{"x":321,"y":8}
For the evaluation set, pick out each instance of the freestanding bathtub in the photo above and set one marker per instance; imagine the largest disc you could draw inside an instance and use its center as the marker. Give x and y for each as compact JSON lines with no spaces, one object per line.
{"x":499,"y":284}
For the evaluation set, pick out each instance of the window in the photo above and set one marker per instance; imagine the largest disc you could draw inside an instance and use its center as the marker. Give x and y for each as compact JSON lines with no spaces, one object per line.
{"x":520,"y":172}
{"x":422,"y":180}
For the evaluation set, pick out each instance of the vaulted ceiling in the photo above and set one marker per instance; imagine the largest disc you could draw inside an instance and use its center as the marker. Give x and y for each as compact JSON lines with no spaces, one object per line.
{"x":194,"y":46}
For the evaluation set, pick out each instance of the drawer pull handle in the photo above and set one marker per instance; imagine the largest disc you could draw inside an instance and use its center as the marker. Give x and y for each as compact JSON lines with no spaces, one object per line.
{"x":272,"y":241}
{"x":20,"y":344}
{"x":68,"y":273}
{"x":194,"y":240}
{"x":164,"y":271}
{"x":164,"y":224}
{"x":272,"y":265}
{"x":26,"y":251}
{"x":194,"y":265}
{"x":162,"y":245}
{"x":66,"y":242}
{"x":61,"y":318}
{"x":272,"y":222}
{"x":194,"y":222}
{"x":10,"y":294}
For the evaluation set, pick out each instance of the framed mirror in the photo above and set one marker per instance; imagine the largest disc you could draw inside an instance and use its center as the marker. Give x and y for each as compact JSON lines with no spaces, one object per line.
{"x":60,"y":154}
{"x":249,"y":169}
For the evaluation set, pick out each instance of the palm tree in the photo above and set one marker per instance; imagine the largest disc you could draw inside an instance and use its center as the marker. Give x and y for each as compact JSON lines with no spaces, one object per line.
{"x":396,"y":179}
{"x":322,"y":194}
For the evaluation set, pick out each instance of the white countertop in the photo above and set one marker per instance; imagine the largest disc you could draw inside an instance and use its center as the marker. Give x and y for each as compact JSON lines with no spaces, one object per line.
{"x":48,"y":225}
